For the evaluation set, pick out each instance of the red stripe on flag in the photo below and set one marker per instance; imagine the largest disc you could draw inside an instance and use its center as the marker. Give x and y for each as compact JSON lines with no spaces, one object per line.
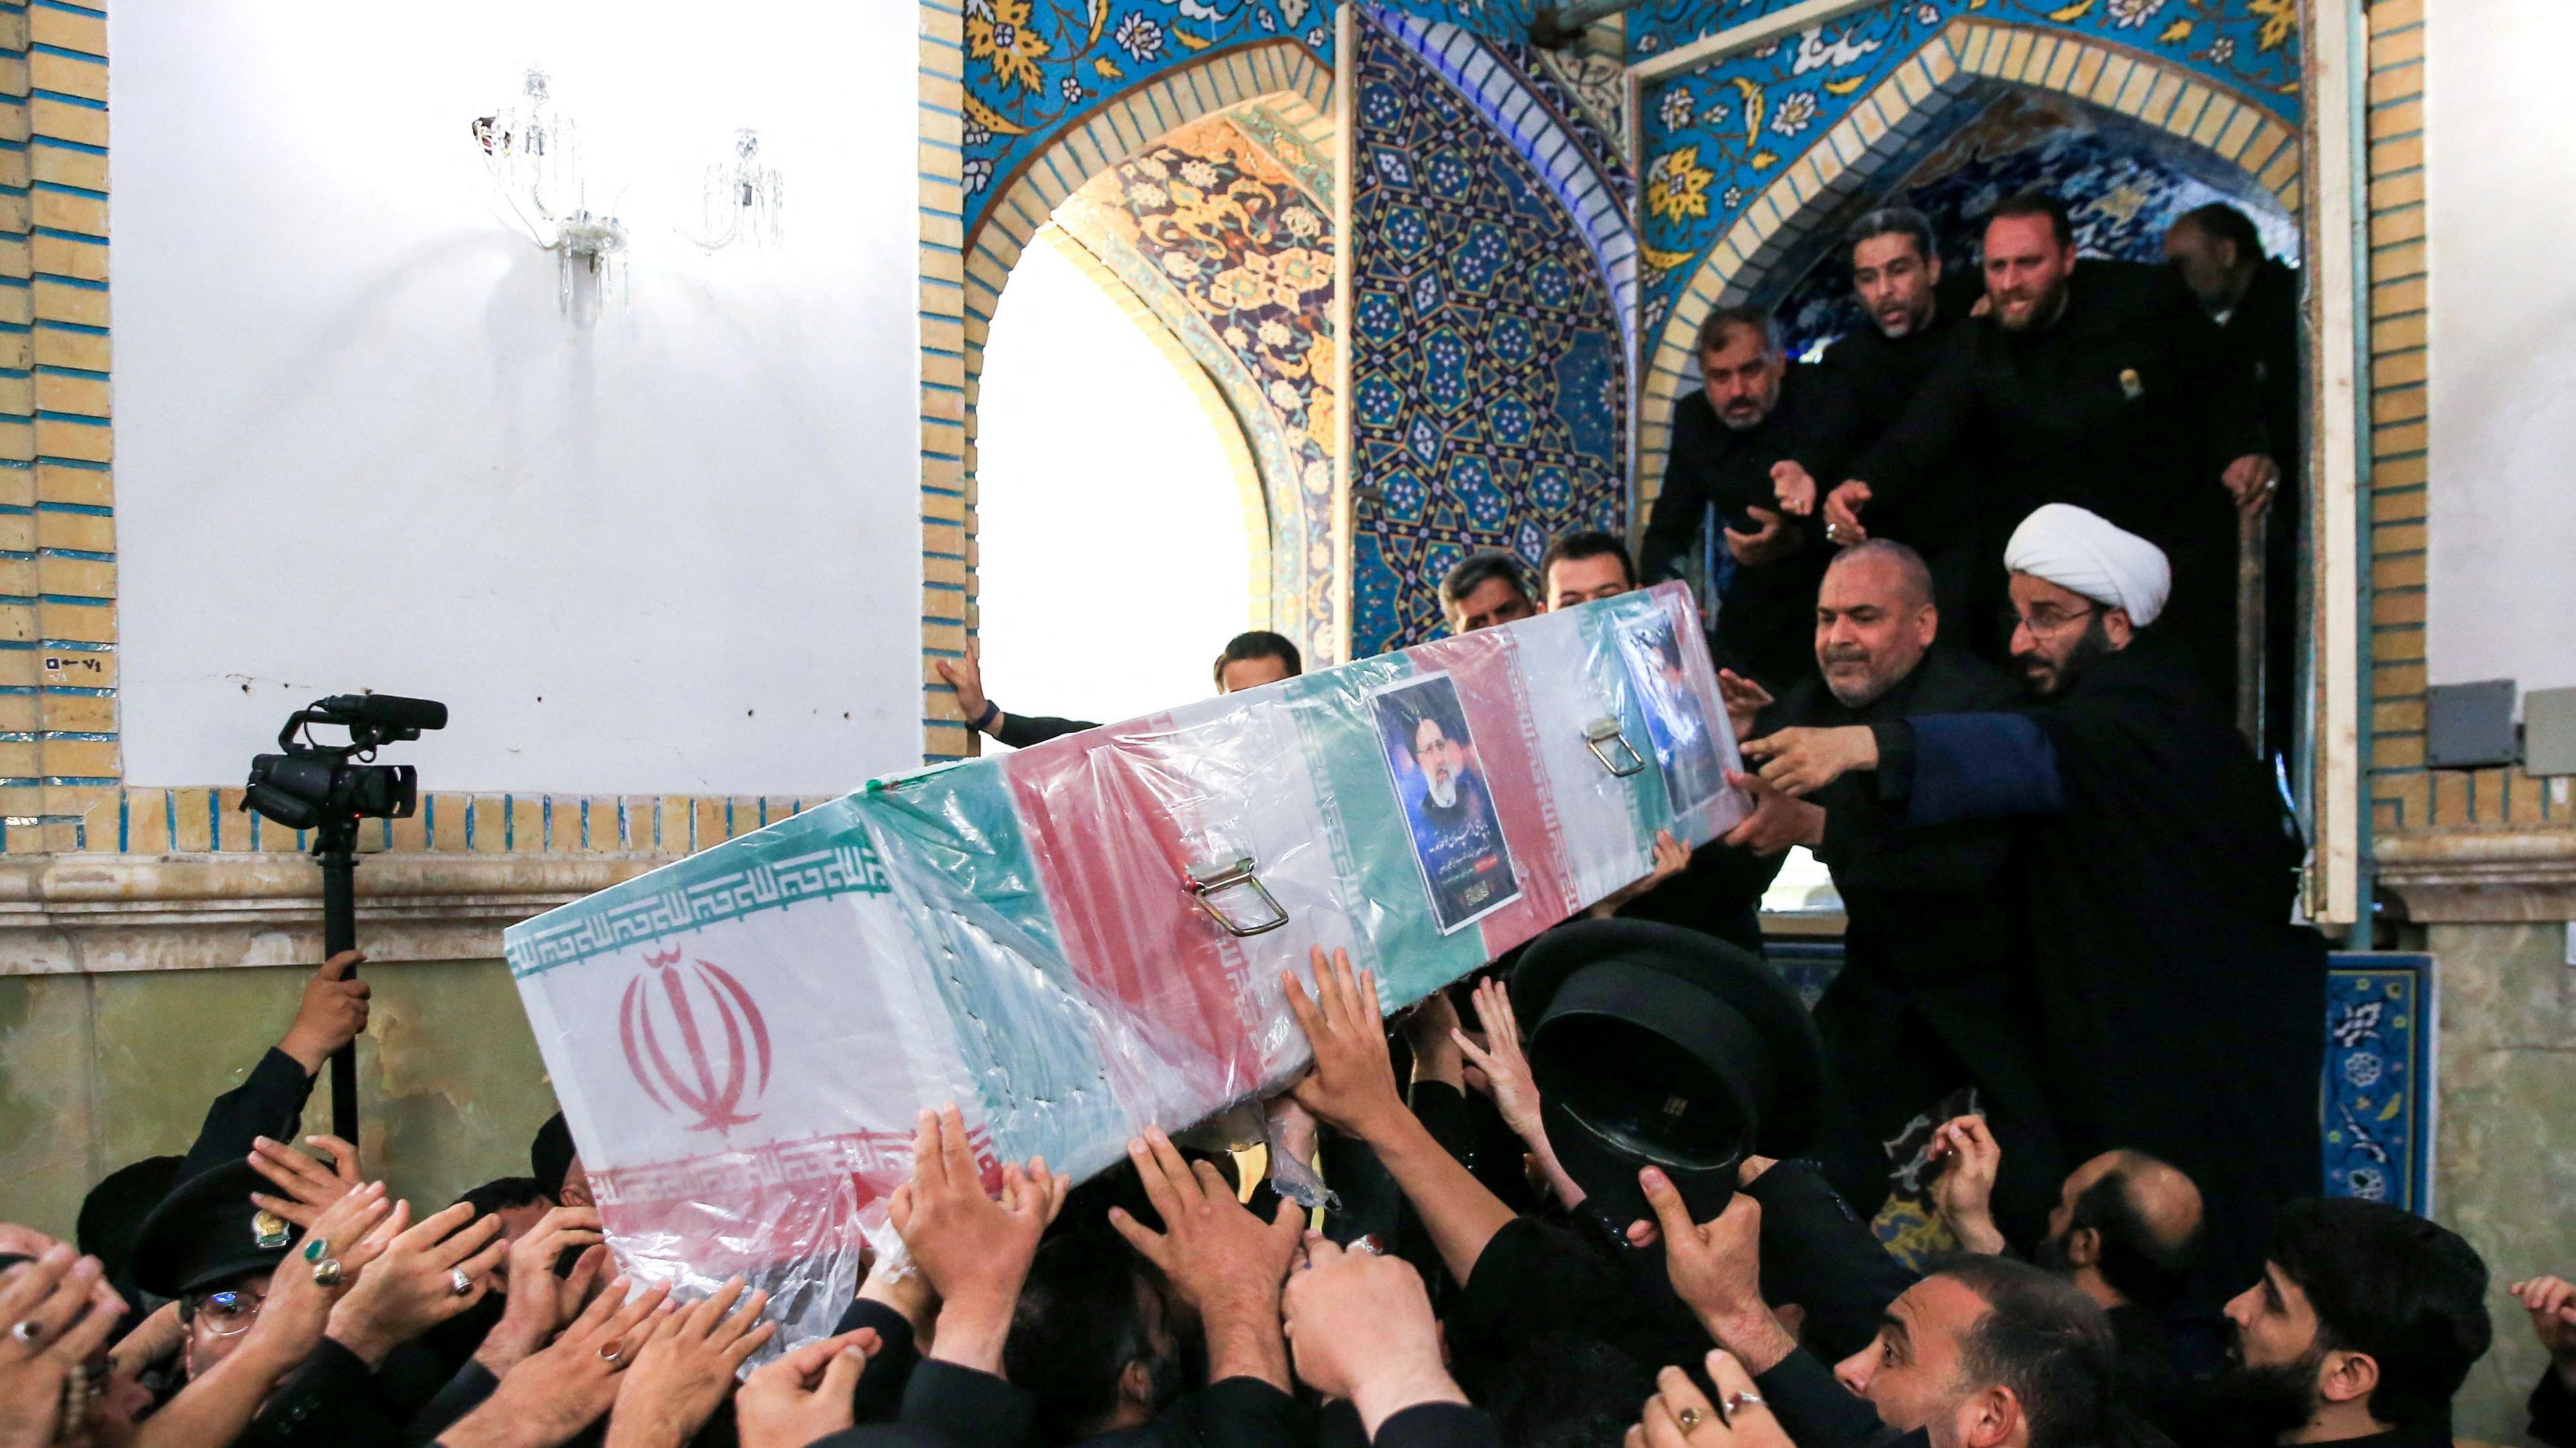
{"x":1111,"y":830}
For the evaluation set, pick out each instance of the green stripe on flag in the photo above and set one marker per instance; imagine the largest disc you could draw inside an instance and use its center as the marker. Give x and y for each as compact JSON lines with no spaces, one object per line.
{"x":964,"y":873}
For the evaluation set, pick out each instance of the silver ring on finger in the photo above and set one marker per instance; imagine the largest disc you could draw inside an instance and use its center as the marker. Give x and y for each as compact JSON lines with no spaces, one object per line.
{"x":1735,"y":1402}
{"x":614,"y":1355}
{"x":459,"y":1282}
{"x":26,"y":1329}
{"x":326,"y":1273}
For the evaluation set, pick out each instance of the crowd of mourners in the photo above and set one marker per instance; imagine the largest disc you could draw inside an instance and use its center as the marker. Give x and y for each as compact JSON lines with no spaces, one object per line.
{"x":1969,"y":589}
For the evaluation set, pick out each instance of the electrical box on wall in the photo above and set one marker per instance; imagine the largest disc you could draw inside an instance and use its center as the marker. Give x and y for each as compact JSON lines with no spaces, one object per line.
{"x":2549,"y":732}
{"x":2469,"y":726}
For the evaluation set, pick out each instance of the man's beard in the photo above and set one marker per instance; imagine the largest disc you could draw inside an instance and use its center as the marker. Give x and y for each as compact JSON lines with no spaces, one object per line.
{"x":1744,"y":421}
{"x":1904,"y":322}
{"x":2266,"y":1401}
{"x":2057,"y":679}
{"x":1443,"y":787}
{"x":2044,"y":310}
{"x":1853,"y":696}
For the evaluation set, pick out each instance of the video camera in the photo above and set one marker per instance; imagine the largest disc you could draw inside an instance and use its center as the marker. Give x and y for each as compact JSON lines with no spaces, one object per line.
{"x":311,"y":785}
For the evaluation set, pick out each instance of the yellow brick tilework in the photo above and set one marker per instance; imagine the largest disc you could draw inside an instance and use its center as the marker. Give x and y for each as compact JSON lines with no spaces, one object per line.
{"x":1875,"y":133}
{"x":59,"y":759}
{"x":211,"y":820}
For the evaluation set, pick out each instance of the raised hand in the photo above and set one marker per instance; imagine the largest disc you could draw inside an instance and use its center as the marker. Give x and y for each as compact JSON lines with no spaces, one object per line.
{"x":1802,"y":761}
{"x":1679,"y":1415}
{"x":334,"y":1253}
{"x":1506,"y":1074}
{"x":1352,"y":1083}
{"x":1744,"y":700}
{"x":1769,"y":542}
{"x":966,"y":676}
{"x":974,"y":1248}
{"x":1362,"y":1329}
{"x":428,"y":1274}
{"x":1777,"y":821}
{"x":686,"y":1367}
{"x":538,"y":1302}
{"x":1964,"y":1191}
{"x":563,"y":1389}
{"x":1794,"y":487}
{"x":1716,"y":1270}
{"x":1842,"y":513}
{"x":1427,"y":1028}
{"x":1506,"y":1070}
{"x":1218,"y":1256}
{"x":309,"y":1186}
{"x":2250,"y":481}
{"x":805,"y":1395}
{"x":2551,"y":1301}
{"x":55,"y":1320}
{"x":1671,"y":857}
{"x":332,"y":1014}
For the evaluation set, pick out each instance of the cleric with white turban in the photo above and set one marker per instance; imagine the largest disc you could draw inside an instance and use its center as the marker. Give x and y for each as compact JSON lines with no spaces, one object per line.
{"x":2085,"y":553}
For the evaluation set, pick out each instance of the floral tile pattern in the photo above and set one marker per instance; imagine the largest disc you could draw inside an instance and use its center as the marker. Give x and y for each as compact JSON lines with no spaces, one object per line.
{"x":1714,"y":139}
{"x":1216,"y":234}
{"x":1038,"y":68}
{"x":2124,"y":182}
{"x":2378,"y":1078}
{"x":1489,"y":405}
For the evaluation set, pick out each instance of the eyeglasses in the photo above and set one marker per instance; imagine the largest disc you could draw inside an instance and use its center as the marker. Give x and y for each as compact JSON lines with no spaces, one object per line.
{"x":225,"y":1314}
{"x":2045,"y":622}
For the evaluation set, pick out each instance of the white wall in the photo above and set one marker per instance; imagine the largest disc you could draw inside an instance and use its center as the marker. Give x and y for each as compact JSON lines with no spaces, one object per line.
{"x":358,"y":446}
{"x":2500,"y":114}
{"x":1114,"y":557}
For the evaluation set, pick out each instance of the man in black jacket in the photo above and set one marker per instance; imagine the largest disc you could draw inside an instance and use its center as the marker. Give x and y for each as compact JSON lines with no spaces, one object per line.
{"x":2180,"y":1007}
{"x":1935,"y":992}
{"x":1868,"y":378}
{"x":1730,"y":438}
{"x":270,"y":1101}
{"x":2254,"y":299}
{"x":2102,"y":385}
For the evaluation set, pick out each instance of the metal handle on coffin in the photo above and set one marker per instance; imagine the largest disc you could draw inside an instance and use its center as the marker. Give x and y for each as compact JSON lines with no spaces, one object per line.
{"x":1207,"y":880}
{"x":1605,"y":732}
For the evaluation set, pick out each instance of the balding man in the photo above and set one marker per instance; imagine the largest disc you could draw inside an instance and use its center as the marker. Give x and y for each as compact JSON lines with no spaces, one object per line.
{"x":2182,"y":1011}
{"x":1935,"y":990}
{"x":2126,"y":1231}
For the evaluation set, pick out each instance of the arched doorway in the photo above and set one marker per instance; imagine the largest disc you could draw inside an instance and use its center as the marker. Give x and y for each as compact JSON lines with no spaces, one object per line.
{"x":1107,"y":612}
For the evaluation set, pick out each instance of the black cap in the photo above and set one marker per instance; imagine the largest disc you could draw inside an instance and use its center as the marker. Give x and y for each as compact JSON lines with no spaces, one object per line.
{"x":1656,"y":1045}
{"x":550,"y":1156}
{"x":207,"y":1232}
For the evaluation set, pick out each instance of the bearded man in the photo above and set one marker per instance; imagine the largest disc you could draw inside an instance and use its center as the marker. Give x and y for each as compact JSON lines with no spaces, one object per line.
{"x":2098,"y":383}
{"x":1935,"y":990}
{"x":2182,"y":1011}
